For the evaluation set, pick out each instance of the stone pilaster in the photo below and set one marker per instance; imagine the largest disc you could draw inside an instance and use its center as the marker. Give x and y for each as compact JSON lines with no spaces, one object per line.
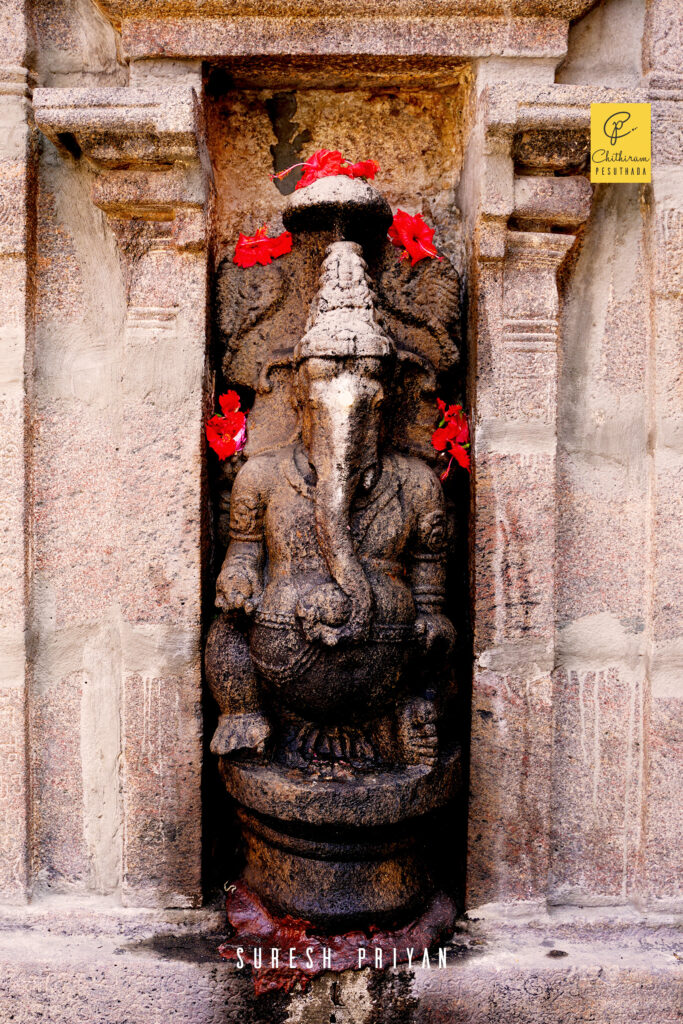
{"x":522,"y":220}
{"x":16,"y":238}
{"x":514,"y":566}
{"x":142,"y":144}
{"x":664,"y":60}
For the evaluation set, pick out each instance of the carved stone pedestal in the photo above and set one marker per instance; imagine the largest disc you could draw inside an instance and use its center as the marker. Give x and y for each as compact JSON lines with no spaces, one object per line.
{"x":342,"y":852}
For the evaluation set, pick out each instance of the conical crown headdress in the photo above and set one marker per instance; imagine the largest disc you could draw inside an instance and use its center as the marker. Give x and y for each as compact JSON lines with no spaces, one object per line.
{"x":342,"y":322}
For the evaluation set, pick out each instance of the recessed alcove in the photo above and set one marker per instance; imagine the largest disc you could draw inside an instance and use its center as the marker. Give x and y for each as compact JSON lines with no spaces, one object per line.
{"x":413,"y":117}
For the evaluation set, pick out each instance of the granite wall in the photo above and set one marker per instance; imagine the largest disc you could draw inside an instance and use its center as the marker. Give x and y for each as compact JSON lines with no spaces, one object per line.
{"x":108,"y":201}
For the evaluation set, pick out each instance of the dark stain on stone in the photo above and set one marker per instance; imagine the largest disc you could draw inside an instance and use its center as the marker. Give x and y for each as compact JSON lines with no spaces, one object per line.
{"x":286,"y":152}
{"x":557,"y":954}
{"x":191,"y":949}
{"x":392,"y":999}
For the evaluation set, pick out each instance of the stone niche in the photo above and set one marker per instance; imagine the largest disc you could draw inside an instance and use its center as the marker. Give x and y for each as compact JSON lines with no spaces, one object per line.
{"x":411,"y":117}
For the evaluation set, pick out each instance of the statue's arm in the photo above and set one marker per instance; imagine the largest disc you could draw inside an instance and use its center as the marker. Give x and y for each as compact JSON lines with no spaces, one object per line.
{"x":240,"y":581}
{"x":427,"y":563}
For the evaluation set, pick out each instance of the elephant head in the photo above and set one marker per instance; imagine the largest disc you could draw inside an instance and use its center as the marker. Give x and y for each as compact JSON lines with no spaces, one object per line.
{"x":344,"y":364}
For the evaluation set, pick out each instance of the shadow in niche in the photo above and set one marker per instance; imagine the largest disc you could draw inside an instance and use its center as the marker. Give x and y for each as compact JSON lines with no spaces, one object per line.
{"x":288,"y":151}
{"x":451,"y":862}
{"x":222,"y":852}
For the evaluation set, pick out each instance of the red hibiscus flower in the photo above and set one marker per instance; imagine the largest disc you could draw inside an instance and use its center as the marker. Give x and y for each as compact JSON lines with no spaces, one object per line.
{"x":229,"y":402}
{"x":251,"y":249}
{"x":413,"y":236}
{"x":327,"y":162}
{"x":452,"y":436}
{"x":227,"y":434}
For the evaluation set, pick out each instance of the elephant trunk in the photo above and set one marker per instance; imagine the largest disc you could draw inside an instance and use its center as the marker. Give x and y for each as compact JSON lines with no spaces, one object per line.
{"x":343,"y":447}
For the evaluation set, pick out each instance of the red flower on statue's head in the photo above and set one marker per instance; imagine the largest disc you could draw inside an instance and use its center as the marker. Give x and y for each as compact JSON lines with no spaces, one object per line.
{"x":227,"y":434}
{"x":363,"y":169}
{"x":325,"y":163}
{"x":452,"y":436}
{"x":252,"y":249}
{"x":322,"y":164}
{"x":411,"y":234}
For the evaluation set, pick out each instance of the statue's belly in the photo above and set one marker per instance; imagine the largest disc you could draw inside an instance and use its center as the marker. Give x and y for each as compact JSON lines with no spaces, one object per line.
{"x":325,"y":683}
{"x":339,"y":682}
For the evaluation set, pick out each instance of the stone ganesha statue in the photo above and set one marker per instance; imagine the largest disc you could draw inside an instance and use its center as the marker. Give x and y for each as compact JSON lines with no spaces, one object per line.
{"x":337,"y":555}
{"x":327,"y":653}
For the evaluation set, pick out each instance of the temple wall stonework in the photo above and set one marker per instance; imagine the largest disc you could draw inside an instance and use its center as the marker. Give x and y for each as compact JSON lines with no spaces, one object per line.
{"x":135,"y":141}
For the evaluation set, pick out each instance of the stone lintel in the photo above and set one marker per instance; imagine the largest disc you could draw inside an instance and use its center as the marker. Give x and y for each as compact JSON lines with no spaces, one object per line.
{"x":417,"y":35}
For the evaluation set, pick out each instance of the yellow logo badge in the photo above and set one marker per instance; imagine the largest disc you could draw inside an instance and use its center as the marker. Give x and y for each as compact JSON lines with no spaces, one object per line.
{"x":621,"y":145}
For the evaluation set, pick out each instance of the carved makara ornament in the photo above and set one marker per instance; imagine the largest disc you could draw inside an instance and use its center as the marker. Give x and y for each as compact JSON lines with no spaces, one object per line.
{"x":327,"y":655}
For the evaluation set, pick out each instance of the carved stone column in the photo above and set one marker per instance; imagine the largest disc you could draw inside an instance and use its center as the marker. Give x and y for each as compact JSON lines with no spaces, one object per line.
{"x":522,"y":138}
{"x":143,"y":145}
{"x":16,"y":242}
{"x":514,"y":566}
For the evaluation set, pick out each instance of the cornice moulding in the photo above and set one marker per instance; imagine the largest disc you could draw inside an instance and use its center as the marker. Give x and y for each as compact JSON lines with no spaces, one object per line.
{"x":121,"y":127}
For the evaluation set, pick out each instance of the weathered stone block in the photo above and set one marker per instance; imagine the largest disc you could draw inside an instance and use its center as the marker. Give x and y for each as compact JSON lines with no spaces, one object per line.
{"x":510,"y":766}
{"x":598,"y":765}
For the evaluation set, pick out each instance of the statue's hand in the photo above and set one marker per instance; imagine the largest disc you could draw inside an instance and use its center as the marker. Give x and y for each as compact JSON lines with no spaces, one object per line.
{"x":417,"y":732}
{"x":322,"y":611}
{"x":238,"y":587}
{"x":435,"y":633}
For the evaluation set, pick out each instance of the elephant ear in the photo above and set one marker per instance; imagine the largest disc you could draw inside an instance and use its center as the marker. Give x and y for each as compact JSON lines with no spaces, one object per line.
{"x":421,"y":310}
{"x":422,"y":307}
{"x":245,"y":296}
{"x":250,"y":315}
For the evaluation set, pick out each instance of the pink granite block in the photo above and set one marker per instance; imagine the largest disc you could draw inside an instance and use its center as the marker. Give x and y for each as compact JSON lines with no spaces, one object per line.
{"x":664,"y":829}
{"x":161,"y":780}
{"x":598,"y":752}
{"x":13,"y":32}
{"x":12,"y":513}
{"x":76,"y":44}
{"x":437,"y":36}
{"x":13,"y":795}
{"x":75,"y":519}
{"x":668,"y":361}
{"x":668,"y":550}
{"x":663,"y":42}
{"x":13,"y":220}
{"x":60,"y":861}
{"x":511,"y":748}
{"x":514,"y":548}
{"x":600,"y":543}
